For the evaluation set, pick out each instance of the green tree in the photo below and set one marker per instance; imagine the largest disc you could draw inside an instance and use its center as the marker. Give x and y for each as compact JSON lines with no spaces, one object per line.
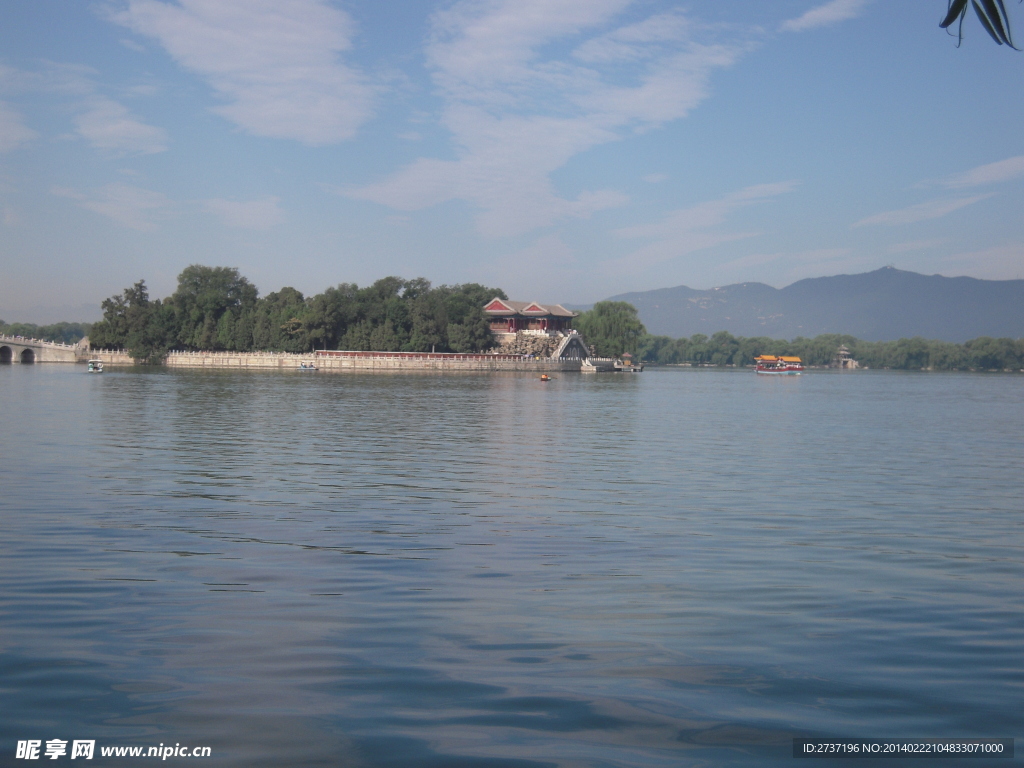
{"x":131,"y":321}
{"x":428,"y":323}
{"x":469,"y":329}
{"x":993,"y":354}
{"x":329,"y":315}
{"x":204,"y":295}
{"x":280,"y":322}
{"x":357,"y":337}
{"x":612,"y":328}
{"x":385,"y":338}
{"x":62,"y":333}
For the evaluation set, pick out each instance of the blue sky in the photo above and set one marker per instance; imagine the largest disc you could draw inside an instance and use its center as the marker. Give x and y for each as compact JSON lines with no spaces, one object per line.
{"x":565,"y":150}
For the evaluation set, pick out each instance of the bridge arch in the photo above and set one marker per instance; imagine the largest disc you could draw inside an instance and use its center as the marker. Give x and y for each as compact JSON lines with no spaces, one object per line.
{"x":28,"y":356}
{"x":6,"y":354}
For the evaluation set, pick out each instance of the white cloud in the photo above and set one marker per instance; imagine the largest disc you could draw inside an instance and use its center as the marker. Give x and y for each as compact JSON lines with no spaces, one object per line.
{"x":516,"y":115}
{"x":504,"y":170}
{"x":633,"y":42}
{"x":932,"y":209}
{"x":127,"y":205}
{"x":51,"y":77}
{"x":277,"y":64}
{"x":249,"y":214}
{"x":110,"y":126}
{"x":106,"y":124}
{"x":487,"y":50}
{"x":993,"y":173}
{"x":707,"y":214}
{"x":13,"y":131}
{"x":692,"y":229}
{"x":825,"y":15}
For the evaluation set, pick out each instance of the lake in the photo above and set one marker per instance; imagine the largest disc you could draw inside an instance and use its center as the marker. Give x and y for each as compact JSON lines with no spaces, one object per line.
{"x":677,"y":568}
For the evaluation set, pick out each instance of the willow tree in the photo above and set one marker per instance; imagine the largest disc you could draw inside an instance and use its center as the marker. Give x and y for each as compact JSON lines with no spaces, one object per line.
{"x":611,"y":328}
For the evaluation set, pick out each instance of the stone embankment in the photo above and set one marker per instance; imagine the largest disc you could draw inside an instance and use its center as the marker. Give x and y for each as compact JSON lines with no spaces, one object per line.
{"x":350,"y":361}
{"x":439,"y":361}
{"x":108,"y":357}
{"x":530,"y":344}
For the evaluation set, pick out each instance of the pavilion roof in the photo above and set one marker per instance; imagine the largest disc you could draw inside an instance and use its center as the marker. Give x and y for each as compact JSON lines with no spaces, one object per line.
{"x":505,"y":308}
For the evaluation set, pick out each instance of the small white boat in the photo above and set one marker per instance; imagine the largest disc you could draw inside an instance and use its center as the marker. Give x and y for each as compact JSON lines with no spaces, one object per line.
{"x":304,"y":367}
{"x":95,"y":366}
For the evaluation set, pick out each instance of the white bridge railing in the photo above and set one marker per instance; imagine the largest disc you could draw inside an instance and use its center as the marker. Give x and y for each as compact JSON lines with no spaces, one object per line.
{"x":27,"y":342}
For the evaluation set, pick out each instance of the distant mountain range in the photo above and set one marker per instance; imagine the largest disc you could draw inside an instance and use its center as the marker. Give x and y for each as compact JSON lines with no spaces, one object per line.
{"x":875,"y":306}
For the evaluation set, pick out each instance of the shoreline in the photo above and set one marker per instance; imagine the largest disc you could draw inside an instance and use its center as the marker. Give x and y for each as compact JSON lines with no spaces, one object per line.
{"x":332,"y":360}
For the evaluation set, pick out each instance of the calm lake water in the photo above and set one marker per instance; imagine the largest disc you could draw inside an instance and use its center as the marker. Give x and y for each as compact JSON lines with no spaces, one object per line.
{"x":678,"y":568}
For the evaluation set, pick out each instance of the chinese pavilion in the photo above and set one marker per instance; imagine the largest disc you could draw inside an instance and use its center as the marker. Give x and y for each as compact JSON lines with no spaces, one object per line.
{"x":529,"y":328}
{"x":511,"y":317}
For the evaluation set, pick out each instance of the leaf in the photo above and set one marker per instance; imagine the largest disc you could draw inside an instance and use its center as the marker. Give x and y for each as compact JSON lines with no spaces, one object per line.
{"x":998,"y":11}
{"x":956,"y":8}
{"x":985,"y":22}
{"x":997,"y":17}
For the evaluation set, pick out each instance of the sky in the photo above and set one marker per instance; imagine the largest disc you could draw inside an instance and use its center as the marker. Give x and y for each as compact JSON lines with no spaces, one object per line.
{"x":562,"y":150}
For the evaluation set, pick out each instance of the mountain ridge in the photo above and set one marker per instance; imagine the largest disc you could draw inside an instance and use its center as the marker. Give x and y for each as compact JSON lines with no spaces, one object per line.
{"x":881,"y":305}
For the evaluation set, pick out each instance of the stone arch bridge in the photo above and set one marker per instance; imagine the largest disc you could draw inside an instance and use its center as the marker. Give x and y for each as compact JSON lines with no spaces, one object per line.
{"x":18,"y":349}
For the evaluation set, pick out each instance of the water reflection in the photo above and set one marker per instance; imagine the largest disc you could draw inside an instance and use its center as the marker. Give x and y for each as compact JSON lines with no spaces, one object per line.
{"x":680,"y":567}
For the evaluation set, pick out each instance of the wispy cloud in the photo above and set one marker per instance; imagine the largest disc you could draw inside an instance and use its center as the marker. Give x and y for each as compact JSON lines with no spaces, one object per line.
{"x":517,"y":115}
{"x":277,"y":64}
{"x":932,"y":209}
{"x":504,"y":170}
{"x":110,"y":126}
{"x":13,"y":131}
{"x":825,"y":15}
{"x":106,"y":124}
{"x":696,"y":228}
{"x":247,"y":214}
{"x":132,"y":45}
{"x":124,"y":204}
{"x":993,"y":173}
{"x":50,"y":77}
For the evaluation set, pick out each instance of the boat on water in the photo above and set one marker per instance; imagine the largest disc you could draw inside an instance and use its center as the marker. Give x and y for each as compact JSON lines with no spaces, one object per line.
{"x":95,"y":366}
{"x":778,"y":365}
{"x":625,"y":364}
{"x":305,"y":367}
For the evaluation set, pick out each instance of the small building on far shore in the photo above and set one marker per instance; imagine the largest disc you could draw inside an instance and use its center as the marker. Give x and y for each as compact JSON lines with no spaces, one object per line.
{"x":844,"y":360}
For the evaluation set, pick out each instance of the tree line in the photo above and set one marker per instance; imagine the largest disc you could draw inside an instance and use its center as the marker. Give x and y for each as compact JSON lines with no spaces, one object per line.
{"x":614,"y":327}
{"x":722,"y":348}
{"x":63,"y":333}
{"x":216,"y":308}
